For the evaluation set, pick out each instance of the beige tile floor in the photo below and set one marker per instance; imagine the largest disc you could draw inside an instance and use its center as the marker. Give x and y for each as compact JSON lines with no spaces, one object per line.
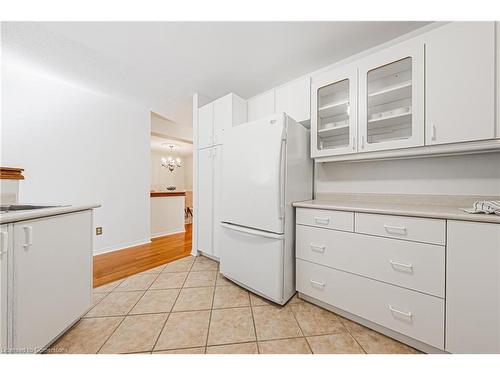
{"x":188,"y":307}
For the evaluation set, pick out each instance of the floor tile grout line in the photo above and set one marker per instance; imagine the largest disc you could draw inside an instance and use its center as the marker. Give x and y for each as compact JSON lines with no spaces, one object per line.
{"x":170,"y":313}
{"x":135,"y":304}
{"x":186,"y":347}
{"x":166,"y":312}
{"x":300,"y":327}
{"x":254,"y":326}
{"x":233,"y":343}
{"x":350,"y":334}
{"x":112,"y":333}
{"x":211,"y":310}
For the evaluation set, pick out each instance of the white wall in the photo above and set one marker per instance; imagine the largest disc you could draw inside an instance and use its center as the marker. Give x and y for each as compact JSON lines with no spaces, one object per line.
{"x":171,"y":129}
{"x":161,"y":177}
{"x":78,"y":145}
{"x":188,"y":173}
{"x":450,"y":175}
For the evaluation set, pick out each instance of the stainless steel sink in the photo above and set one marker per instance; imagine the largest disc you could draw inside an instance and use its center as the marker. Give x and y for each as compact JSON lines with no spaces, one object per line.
{"x":21,"y":207}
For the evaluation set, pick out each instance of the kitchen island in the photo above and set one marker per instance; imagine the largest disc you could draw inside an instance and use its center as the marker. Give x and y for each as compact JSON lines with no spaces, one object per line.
{"x":45,"y":274}
{"x":167,"y":212}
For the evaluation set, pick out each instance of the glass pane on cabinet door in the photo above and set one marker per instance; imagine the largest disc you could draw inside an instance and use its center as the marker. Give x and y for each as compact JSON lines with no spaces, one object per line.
{"x":389,"y":101}
{"x":333,"y":115}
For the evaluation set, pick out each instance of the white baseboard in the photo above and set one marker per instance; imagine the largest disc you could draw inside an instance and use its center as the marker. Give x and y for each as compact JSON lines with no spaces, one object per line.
{"x":121,"y":246}
{"x":166,"y":233}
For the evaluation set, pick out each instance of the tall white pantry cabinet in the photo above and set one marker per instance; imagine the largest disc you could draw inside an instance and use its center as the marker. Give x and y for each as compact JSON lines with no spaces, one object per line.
{"x":213,"y":119}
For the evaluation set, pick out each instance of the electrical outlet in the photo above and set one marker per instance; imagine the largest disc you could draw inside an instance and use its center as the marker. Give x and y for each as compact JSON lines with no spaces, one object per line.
{"x":98,"y":231}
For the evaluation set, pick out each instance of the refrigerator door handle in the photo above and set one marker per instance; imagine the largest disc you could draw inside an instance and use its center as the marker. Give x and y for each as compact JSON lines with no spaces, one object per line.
{"x":281,"y":188}
{"x":252,"y":231}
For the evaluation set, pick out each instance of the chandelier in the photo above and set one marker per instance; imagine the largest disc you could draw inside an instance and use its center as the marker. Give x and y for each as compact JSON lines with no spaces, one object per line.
{"x":170,"y":163}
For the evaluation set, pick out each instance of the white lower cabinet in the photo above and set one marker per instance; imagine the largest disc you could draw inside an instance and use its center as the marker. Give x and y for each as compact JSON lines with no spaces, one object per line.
{"x":52,"y":277}
{"x":5,"y":246}
{"x":426,"y":230}
{"x":49,"y":279}
{"x":473,"y":288}
{"x":435,"y":281}
{"x":412,"y":265}
{"x":410,"y":313}
{"x":395,"y":280}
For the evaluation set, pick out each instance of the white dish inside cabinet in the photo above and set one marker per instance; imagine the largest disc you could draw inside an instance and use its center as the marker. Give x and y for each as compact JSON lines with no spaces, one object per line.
{"x":389,"y":102}
{"x":333,"y":113}
{"x":334,"y":121}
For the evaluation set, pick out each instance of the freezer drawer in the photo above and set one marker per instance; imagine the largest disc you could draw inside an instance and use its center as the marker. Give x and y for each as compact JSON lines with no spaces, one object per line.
{"x":254,"y":259}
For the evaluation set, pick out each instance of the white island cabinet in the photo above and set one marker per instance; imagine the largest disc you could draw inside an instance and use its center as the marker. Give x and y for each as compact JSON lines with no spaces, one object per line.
{"x":4,"y":253}
{"x":46,"y":279}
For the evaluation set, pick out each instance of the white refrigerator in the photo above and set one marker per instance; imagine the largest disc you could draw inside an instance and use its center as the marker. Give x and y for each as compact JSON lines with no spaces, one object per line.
{"x":266,"y":167}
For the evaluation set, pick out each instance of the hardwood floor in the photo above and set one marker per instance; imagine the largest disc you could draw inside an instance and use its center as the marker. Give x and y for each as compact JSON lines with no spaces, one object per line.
{"x":118,"y":264}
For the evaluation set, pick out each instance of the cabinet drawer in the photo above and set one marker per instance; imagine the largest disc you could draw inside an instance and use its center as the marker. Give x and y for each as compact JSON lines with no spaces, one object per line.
{"x":410,"y":313}
{"x":340,"y":220}
{"x":413,"y":265}
{"x":402,"y":227}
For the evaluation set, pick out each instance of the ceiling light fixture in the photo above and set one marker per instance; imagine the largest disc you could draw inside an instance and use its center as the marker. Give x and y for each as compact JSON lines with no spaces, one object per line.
{"x":170,"y":163}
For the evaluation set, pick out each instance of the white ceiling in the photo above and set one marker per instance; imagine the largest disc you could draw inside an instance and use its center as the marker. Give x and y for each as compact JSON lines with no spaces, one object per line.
{"x":161,"y":64}
{"x":159,"y":144}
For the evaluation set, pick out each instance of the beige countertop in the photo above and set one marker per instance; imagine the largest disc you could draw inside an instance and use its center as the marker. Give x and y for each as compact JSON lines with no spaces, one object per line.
{"x":15,"y":216}
{"x":439,"y":207}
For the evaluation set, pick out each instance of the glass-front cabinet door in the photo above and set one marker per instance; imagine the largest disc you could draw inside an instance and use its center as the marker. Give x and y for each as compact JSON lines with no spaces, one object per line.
{"x":334,"y":113}
{"x":391,"y":98}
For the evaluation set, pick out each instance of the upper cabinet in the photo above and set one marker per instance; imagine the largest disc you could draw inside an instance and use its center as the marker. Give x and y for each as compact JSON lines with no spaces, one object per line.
{"x":261,"y":105}
{"x":334,"y":121}
{"x":435,"y":89}
{"x":460,"y":82}
{"x":294,"y":98}
{"x":215,"y":117}
{"x":391,"y":98}
{"x":206,"y":125}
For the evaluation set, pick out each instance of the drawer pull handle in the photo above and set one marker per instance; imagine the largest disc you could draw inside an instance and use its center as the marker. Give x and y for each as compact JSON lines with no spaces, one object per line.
{"x":404,"y":313}
{"x":322,"y":221}
{"x":389,"y":228}
{"x":318,"y":283}
{"x":399,"y":264}
{"x":318,"y":248}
